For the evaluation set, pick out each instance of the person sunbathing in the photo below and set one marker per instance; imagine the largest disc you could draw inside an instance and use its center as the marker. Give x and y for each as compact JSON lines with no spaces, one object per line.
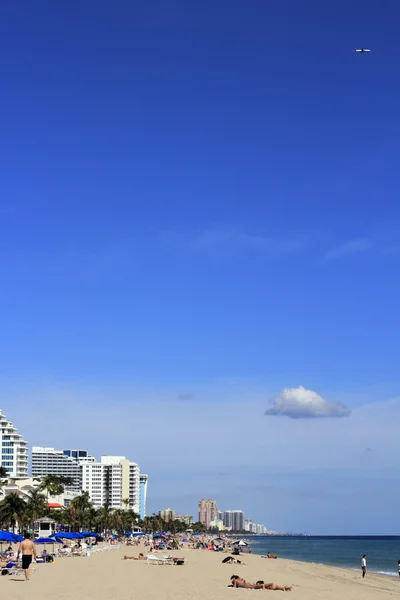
{"x":239,"y":582}
{"x":231,"y":560}
{"x":140,"y":557}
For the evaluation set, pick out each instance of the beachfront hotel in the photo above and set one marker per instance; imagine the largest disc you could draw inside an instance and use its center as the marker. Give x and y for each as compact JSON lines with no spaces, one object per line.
{"x":114,"y":481}
{"x":208,"y":511}
{"x":64,"y":463}
{"x":14,"y":449}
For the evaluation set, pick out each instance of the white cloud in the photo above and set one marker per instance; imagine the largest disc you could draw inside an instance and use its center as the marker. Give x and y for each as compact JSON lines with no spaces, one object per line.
{"x":234,"y":241}
{"x":225,"y":242}
{"x":352,"y":247}
{"x":300,"y":403}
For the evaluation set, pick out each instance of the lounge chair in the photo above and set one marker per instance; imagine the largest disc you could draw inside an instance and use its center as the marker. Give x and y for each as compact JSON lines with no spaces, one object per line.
{"x":165,"y":560}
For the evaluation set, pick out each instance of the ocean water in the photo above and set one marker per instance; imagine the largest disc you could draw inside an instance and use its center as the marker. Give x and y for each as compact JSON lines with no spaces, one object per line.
{"x":383,"y":553}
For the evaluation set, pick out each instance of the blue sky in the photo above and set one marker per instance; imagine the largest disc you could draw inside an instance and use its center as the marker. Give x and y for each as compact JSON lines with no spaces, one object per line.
{"x":198,"y":211}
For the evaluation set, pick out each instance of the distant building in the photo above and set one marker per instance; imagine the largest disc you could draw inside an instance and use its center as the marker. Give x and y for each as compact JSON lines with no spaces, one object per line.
{"x":237,"y":520}
{"x":167,"y":515}
{"x":248,"y":525}
{"x":227,"y":519}
{"x":14,"y":449}
{"x":187,"y":519}
{"x":260,"y":529}
{"x":217,"y":524}
{"x":114,"y":481}
{"x":208,"y":511}
{"x":64,"y":463}
{"x":143,"y":495}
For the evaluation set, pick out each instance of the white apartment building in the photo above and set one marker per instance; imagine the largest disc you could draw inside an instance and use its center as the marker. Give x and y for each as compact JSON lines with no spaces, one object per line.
{"x":64,"y":463}
{"x":248,"y":525}
{"x":14,"y":449}
{"x":114,"y":481}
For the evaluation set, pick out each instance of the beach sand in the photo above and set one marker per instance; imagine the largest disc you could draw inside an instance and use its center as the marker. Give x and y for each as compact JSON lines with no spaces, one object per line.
{"x":105,"y":576}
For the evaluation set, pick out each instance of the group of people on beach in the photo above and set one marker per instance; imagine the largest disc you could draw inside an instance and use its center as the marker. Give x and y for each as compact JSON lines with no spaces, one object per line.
{"x":239,"y":582}
{"x":27,"y":552}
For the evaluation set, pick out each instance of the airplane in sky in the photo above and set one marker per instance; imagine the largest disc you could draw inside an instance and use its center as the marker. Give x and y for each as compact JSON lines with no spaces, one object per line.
{"x":361,"y":50}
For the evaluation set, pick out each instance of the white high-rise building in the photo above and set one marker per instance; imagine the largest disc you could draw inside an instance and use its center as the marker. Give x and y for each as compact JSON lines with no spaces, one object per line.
{"x":248,"y":525}
{"x":64,"y":463}
{"x":14,"y":449}
{"x":114,"y":481}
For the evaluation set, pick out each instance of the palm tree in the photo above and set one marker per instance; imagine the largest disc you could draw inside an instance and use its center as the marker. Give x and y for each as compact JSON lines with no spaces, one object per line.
{"x":199,"y":527}
{"x":103,"y":515}
{"x":52,"y":485}
{"x":35,"y":506}
{"x":91,"y":518}
{"x":80,"y":508}
{"x":12,"y":511}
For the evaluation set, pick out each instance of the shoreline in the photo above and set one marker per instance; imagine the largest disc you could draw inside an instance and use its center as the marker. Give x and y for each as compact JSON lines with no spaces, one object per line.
{"x":392,"y":574}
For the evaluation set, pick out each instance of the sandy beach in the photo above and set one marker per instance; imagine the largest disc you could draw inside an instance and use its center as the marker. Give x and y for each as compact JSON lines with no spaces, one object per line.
{"x":105,"y":576}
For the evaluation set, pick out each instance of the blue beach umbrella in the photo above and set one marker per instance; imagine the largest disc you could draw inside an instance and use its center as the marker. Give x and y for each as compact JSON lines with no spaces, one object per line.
{"x":44,"y":540}
{"x":61,"y":536}
{"x":68,"y":536}
{"x":7,"y":536}
{"x":89,"y":534}
{"x":137,"y":533}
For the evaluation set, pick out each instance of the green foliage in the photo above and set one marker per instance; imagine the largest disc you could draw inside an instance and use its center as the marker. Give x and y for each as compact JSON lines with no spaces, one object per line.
{"x":54,"y":485}
{"x":12,"y":511}
{"x":3,"y":473}
{"x":80,"y":514}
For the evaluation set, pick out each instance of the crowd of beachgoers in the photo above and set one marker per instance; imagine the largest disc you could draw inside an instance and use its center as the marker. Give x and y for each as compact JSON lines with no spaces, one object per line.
{"x":22,"y":558}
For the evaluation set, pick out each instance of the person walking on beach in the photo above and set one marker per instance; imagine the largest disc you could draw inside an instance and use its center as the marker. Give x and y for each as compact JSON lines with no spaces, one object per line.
{"x":28,"y":551}
{"x":364,"y":565}
{"x":398,"y":565}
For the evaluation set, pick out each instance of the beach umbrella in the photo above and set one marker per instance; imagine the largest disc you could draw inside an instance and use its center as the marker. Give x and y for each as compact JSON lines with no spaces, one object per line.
{"x":68,"y":536}
{"x":137,"y":533}
{"x":44,"y":540}
{"x":7,"y":536}
{"x":61,"y":535}
{"x":90,"y":534}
